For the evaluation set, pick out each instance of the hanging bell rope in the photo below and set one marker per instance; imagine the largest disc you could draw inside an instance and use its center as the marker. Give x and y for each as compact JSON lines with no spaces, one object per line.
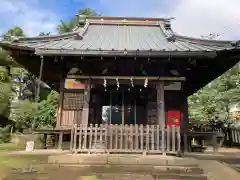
{"x":105,"y":83}
{"x":117,"y":83}
{"x":146,"y":82}
{"x":131,"y":80}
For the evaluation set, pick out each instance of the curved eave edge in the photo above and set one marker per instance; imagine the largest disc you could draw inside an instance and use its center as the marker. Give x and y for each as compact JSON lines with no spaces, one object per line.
{"x":107,"y":53}
{"x":7,"y":45}
{"x":171,"y":36}
{"x":204,"y":42}
{"x":48,"y":38}
{"x":76,"y":33}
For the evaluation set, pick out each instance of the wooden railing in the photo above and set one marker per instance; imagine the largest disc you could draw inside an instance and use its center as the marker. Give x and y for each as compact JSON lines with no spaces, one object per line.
{"x":236,"y":136}
{"x":125,"y":139}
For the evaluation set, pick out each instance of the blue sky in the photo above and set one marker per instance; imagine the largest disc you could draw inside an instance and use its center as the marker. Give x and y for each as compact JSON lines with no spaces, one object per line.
{"x":192,"y":17}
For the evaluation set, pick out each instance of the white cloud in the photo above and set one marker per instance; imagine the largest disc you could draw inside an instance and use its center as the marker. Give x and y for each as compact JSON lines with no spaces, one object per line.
{"x":140,"y":8}
{"x":28,"y":15}
{"x":192,"y":17}
{"x":201,"y":17}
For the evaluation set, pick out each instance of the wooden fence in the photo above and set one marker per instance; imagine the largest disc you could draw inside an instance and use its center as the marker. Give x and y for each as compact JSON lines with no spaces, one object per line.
{"x":233,"y":136}
{"x":125,"y":139}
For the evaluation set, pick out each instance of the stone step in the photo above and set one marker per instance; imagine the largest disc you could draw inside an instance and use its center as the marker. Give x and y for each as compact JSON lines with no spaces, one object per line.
{"x":127,"y":173}
{"x":104,"y":159}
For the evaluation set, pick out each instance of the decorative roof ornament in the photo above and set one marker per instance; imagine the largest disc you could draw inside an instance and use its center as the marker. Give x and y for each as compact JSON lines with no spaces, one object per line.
{"x":236,"y":43}
{"x":77,"y":37}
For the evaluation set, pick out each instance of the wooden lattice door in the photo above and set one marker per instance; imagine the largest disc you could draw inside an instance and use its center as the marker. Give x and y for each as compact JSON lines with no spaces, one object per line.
{"x":73,"y":104}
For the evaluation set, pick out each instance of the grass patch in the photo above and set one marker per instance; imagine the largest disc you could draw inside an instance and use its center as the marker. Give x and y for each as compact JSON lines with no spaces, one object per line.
{"x":10,"y":162}
{"x":18,"y":161}
{"x":9,"y":147}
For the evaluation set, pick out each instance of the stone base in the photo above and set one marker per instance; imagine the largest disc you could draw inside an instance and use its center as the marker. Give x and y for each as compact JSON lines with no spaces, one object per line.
{"x":110,"y":159}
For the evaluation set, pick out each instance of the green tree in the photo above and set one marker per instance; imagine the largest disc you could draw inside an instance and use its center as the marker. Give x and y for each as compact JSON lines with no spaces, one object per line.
{"x":23,"y":114}
{"x":5,"y":93}
{"x":13,"y":33}
{"x":228,"y":91}
{"x":68,"y":26}
{"x":47,"y":109}
{"x":44,"y":34}
{"x":88,"y":12}
{"x":213,"y":102}
{"x":5,"y":75}
{"x":6,"y":60}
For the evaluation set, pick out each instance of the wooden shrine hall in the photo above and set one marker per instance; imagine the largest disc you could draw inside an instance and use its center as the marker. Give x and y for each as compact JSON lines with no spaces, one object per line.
{"x":124,"y":81}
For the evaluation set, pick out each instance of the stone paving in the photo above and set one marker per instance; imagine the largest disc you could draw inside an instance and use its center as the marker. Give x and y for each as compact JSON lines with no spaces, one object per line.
{"x":124,"y":167}
{"x":159,"y":167}
{"x":218,"y":171}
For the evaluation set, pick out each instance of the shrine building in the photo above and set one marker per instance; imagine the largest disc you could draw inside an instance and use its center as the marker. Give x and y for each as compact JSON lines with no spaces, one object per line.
{"x":124,"y":81}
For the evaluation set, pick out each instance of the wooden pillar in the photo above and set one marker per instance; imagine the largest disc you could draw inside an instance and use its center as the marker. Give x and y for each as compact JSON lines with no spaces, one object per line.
{"x":60,"y":140}
{"x":161,"y":113}
{"x":185,"y":122}
{"x":160,"y":104}
{"x":37,"y":95}
{"x":60,"y":110}
{"x":85,"y":113}
{"x":45,"y":141}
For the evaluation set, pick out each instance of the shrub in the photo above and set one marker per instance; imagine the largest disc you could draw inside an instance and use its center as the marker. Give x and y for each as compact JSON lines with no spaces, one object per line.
{"x":5,"y":135}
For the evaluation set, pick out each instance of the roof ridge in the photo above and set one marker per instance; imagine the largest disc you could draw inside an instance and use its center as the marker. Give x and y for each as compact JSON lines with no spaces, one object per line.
{"x":126,"y":18}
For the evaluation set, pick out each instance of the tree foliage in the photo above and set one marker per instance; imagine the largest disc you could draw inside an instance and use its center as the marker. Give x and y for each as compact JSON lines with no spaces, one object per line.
{"x":17,"y":92}
{"x":47,"y":109}
{"x":213,"y":102}
{"x":44,"y":34}
{"x":42,"y":114}
{"x":88,"y":12}
{"x":23,"y":114}
{"x":5,"y":92}
{"x":13,"y":33}
{"x":68,"y":26}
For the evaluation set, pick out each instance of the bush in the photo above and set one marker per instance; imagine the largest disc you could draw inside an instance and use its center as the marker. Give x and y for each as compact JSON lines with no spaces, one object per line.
{"x":5,"y":135}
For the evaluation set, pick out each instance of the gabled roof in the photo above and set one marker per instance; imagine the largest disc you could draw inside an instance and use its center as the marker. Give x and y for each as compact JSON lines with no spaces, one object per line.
{"x":120,"y":36}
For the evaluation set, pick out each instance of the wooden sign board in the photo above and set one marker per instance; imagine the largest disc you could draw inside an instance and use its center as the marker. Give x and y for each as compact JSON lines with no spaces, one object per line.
{"x":74,"y":84}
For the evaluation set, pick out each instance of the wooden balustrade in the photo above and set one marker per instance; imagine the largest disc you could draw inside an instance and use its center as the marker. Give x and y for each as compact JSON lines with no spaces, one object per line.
{"x":235,"y":136}
{"x":125,"y":139}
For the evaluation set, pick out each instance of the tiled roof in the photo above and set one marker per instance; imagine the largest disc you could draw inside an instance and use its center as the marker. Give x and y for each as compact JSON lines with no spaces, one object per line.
{"x":121,"y":37}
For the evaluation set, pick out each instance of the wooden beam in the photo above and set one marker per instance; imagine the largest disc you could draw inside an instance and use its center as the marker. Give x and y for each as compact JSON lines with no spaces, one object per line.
{"x":128,"y":77}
